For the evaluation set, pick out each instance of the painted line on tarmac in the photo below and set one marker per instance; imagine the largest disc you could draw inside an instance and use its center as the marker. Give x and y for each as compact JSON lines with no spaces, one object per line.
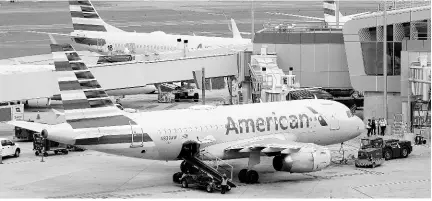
{"x":393,"y":183}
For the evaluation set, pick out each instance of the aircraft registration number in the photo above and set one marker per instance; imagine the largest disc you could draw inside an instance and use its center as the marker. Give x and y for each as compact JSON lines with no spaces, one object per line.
{"x":168,"y":137}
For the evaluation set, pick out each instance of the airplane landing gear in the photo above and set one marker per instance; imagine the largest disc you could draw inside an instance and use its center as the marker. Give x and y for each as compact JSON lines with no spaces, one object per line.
{"x":248,"y":176}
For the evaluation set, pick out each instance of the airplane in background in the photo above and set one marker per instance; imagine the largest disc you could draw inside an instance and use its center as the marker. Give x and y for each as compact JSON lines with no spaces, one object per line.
{"x":329,"y":15}
{"x":293,"y":132}
{"x":94,"y":34}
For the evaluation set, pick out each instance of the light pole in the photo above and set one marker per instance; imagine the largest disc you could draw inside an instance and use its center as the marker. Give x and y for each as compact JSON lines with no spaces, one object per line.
{"x":253,"y":19}
{"x":385,"y":58}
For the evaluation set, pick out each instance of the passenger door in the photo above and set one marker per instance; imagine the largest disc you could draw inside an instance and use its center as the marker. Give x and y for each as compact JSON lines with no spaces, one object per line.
{"x":334,"y":123}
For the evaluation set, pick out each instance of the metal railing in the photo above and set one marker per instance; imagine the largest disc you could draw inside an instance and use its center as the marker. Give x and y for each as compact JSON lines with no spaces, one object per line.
{"x":217,"y":163}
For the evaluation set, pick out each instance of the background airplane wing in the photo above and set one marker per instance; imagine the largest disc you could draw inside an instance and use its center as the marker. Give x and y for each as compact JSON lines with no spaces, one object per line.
{"x":272,"y":144}
{"x":37,"y":127}
{"x":301,"y":16}
{"x":58,"y":34}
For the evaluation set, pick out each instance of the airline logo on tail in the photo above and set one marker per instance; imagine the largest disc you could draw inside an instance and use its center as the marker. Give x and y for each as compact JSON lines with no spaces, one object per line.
{"x":86,"y":18}
{"x":330,"y":9}
{"x":87,"y":107}
{"x":85,"y":103}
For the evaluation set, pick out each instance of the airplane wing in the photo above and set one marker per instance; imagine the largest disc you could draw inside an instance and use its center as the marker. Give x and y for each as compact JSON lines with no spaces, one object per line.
{"x":269,"y":144}
{"x":302,"y":16}
{"x":58,"y":34}
{"x":37,"y":127}
{"x":358,"y":14}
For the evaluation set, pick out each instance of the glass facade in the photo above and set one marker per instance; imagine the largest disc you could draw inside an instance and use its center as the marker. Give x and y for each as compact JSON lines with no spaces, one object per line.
{"x":372,"y":46}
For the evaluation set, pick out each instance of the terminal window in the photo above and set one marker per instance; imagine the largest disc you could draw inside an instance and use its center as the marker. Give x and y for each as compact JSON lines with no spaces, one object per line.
{"x":371,"y":40}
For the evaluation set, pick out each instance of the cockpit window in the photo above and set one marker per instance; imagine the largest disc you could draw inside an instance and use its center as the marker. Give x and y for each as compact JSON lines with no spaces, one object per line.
{"x":349,"y":114}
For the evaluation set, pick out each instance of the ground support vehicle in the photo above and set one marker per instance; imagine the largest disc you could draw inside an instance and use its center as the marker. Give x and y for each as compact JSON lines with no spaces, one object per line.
{"x":42,"y":146}
{"x":369,"y":157}
{"x":391,"y":148}
{"x":9,"y":148}
{"x":182,"y":93}
{"x":200,"y":180}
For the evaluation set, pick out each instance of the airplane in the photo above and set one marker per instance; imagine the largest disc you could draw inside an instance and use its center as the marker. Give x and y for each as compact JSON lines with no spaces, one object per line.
{"x":294,"y":132}
{"x":329,"y":15}
{"x":94,"y":34}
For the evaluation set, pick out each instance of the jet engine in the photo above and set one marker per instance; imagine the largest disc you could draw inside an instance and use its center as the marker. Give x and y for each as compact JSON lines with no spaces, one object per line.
{"x":39,"y":102}
{"x":305,"y":160}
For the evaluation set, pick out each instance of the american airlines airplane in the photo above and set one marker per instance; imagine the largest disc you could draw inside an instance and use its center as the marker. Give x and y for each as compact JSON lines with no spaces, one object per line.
{"x":94,"y":34}
{"x":329,"y":15}
{"x":293,"y":132}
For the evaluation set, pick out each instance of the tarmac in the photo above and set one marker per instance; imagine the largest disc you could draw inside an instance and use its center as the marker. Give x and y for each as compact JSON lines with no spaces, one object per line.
{"x":91,"y":174}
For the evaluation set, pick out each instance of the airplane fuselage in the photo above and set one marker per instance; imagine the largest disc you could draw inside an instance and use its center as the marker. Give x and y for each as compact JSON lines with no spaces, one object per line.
{"x":144,"y":43}
{"x":164,"y":132}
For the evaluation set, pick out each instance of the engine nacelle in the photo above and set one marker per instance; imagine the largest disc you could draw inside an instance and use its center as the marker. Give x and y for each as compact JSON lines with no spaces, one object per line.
{"x":305,"y":160}
{"x":39,"y":102}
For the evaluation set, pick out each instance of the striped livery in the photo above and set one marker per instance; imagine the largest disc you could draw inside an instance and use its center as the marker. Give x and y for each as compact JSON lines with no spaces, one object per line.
{"x":85,"y":17}
{"x":85,"y":103}
{"x":330,"y":9}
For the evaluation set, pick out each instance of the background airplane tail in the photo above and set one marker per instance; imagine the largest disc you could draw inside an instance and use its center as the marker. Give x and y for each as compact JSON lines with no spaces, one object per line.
{"x":86,"y":104}
{"x":235,"y":30}
{"x":86,"y":18}
{"x":330,"y":11}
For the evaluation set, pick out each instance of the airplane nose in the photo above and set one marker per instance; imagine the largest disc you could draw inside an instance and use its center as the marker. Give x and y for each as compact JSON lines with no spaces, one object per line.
{"x":361,"y":127}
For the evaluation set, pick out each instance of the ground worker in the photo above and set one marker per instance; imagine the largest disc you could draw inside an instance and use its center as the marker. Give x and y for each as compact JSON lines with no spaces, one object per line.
{"x":373,"y":126}
{"x":369,"y":128}
{"x":224,"y":183}
{"x":383,"y":125}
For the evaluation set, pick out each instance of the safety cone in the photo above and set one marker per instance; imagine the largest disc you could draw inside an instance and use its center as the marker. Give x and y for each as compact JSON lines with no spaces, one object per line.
{"x":38,"y":116}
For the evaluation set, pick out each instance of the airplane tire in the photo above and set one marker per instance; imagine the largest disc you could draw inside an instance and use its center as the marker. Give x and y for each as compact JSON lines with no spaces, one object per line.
{"x":196,"y":97}
{"x":387,"y":154}
{"x":242,"y":176}
{"x":184,"y":183}
{"x":176,"y":177}
{"x":252,"y":176}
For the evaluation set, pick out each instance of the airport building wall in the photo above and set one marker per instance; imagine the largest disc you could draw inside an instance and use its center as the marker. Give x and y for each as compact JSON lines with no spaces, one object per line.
{"x":318,"y":58}
{"x":408,"y":36}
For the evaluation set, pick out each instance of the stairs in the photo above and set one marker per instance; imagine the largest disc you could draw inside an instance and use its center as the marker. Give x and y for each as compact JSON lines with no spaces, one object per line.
{"x":209,"y":169}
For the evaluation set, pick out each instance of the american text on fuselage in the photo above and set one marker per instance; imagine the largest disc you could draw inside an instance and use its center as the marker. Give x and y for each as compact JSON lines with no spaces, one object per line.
{"x":274,"y":122}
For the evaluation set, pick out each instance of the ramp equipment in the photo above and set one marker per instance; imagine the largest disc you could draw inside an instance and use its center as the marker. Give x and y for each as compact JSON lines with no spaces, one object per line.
{"x":209,"y":169}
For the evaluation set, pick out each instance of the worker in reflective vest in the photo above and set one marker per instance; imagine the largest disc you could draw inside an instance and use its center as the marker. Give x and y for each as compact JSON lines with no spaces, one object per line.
{"x":224,"y":183}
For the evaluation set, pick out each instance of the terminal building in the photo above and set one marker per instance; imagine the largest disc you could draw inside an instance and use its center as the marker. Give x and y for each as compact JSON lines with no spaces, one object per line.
{"x":408,"y":44}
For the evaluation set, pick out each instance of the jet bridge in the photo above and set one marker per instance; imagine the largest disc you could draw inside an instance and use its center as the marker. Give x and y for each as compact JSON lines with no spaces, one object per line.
{"x":122,"y":76}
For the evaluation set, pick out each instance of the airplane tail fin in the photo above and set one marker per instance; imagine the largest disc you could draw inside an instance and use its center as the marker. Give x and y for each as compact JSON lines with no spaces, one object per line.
{"x":86,"y":104}
{"x":235,"y":30}
{"x":86,"y":18}
{"x":330,"y":11}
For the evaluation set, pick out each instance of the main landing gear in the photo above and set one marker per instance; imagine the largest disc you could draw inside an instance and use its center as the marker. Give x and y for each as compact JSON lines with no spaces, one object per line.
{"x":248,"y":176}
